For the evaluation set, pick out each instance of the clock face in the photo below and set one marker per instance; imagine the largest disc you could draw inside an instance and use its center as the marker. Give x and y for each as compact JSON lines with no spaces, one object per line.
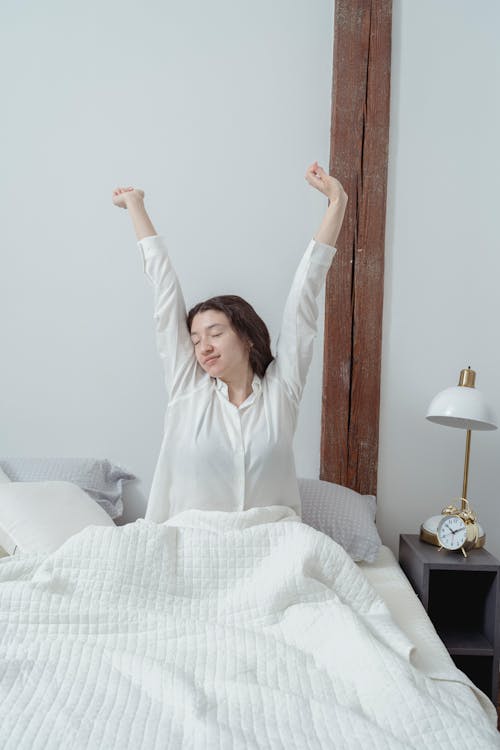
{"x":452,"y":532}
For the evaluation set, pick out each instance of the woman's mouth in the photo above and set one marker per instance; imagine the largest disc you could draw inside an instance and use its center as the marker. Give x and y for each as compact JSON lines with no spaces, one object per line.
{"x":210,"y":360}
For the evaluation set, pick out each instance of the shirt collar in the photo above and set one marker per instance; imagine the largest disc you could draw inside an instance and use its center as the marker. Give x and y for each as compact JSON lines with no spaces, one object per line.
{"x":222,"y":386}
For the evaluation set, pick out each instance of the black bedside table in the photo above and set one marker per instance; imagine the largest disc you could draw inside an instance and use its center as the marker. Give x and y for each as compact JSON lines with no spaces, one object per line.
{"x":461,"y":595}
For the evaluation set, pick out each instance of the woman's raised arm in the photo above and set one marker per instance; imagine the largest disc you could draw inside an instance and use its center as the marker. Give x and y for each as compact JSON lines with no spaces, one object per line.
{"x":133,"y":200}
{"x":172,"y":336}
{"x":294,"y":347}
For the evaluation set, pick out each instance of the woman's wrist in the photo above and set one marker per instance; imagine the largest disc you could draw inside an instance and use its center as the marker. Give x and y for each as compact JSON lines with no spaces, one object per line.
{"x":140,"y":219}
{"x":134,"y":200}
{"x":337,"y":197}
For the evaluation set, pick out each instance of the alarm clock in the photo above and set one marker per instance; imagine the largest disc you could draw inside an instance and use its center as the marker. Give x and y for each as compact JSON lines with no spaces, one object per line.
{"x":454,"y":529}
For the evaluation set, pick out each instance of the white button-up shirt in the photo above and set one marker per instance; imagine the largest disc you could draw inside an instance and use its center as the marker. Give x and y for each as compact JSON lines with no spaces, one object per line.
{"x":216,"y":455}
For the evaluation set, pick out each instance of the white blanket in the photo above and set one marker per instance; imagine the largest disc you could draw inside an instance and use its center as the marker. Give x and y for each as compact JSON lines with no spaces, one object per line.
{"x":214,"y":630}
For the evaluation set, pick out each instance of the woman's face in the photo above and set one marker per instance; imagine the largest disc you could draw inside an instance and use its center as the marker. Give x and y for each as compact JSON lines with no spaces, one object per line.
{"x":218,"y":348}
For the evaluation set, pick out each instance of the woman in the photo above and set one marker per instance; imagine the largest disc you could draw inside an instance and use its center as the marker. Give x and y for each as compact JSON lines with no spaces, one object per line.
{"x":232,"y":408}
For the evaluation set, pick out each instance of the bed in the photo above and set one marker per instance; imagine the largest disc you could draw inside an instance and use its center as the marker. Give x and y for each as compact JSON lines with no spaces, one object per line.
{"x":217,"y":630}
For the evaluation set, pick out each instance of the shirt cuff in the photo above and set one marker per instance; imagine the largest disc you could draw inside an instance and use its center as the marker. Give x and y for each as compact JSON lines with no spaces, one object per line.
{"x":321,"y":253}
{"x":152,"y":245}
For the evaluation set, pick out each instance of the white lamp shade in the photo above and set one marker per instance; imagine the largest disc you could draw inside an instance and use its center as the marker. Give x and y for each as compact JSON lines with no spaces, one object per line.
{"x":461,"y":406}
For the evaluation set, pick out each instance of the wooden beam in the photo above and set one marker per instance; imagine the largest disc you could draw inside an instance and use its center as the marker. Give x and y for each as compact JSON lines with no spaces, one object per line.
{"x":354,"y":287}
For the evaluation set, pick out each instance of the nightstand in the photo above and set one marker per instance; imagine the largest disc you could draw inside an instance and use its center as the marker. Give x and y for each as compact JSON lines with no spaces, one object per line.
{"x":461,"y":595}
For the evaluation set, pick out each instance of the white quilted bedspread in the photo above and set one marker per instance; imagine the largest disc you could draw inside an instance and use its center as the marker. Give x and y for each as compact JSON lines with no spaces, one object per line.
{"x":214,"y":630}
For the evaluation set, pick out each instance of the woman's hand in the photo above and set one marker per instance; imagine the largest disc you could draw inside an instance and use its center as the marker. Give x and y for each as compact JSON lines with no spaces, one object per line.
{"x":329,"y":186}
{"x":123,"y":195}
{"x":133,"y":199}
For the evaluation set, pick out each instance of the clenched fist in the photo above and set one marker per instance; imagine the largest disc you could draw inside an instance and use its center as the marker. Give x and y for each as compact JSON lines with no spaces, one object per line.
{"x":122,"y":196}
{"x":329,"y":186}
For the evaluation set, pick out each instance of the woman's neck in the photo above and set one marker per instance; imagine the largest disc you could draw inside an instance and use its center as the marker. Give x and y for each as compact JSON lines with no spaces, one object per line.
{"x":239,"y":389}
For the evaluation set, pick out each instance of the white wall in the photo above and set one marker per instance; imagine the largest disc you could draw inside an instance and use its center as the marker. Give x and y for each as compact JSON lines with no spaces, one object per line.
{"x":215,"y":109}
{"x":442,"y":301}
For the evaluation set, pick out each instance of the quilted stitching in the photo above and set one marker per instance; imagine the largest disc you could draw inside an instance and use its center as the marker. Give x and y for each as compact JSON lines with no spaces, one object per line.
{"x":204,"y":633}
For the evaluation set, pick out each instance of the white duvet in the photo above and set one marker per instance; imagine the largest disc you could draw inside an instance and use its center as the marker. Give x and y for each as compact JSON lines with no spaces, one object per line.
{"x":214,"y":630}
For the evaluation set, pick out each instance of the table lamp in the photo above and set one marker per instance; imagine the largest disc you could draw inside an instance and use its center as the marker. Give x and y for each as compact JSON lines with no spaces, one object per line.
{"x":464,"y":407}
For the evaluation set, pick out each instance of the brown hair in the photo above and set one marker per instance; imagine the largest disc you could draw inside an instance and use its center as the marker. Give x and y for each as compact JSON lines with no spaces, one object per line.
{"x":247,"y":324}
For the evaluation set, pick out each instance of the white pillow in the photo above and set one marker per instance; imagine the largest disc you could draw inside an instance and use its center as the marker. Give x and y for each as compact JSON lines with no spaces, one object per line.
{"x":100,"y":478}
{"x":41,"y":516}
{"x":343,"y":514}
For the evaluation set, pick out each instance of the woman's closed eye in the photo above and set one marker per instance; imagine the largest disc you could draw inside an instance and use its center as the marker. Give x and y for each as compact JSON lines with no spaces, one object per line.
{"x":214,"y":336}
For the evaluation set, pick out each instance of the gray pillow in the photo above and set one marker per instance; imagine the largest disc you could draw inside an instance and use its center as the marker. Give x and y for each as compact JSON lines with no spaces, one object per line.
{"x":343,"y":514}
{"x":101,"y":479}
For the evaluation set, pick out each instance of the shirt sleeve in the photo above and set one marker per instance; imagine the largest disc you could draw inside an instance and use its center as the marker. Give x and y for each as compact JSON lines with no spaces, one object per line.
{"x":294,"y":347}
{"x":173,"y":341}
